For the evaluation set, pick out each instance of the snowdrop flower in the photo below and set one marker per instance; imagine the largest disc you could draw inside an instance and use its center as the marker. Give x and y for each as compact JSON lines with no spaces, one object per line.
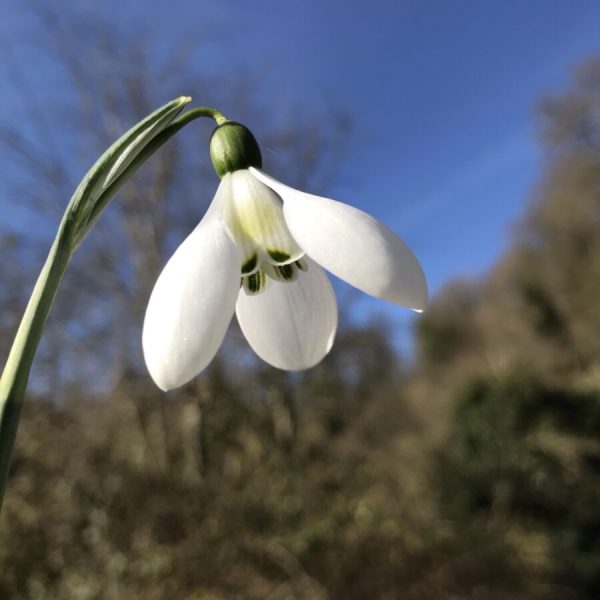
{"x":260,"y":251}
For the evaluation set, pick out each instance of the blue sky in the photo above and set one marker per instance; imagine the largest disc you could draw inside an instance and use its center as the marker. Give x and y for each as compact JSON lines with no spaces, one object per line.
{"x":443,"y":94}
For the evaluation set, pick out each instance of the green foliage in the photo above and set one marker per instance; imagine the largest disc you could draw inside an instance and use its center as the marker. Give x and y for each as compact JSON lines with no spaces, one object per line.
{"x":530,"y":456}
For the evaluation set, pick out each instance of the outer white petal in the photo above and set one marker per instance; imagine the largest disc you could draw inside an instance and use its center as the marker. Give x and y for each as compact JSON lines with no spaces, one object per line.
{"x":191,"y":305}
{"x":352,"y":245}
{"x":291,"y":325}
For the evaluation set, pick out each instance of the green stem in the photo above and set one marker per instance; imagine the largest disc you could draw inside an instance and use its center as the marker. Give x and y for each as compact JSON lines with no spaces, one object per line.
{"x":201,"y":111}
{"x":16,"y":371}
{"x":71,"y":232}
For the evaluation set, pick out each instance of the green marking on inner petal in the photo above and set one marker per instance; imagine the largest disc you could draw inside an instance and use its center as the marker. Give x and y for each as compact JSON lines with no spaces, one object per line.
{"x":278,"y":255}
{"x":250,"y":264}
{"x":286,"y":271}
{"x":253,"y":284}
{"x":302,"y":264}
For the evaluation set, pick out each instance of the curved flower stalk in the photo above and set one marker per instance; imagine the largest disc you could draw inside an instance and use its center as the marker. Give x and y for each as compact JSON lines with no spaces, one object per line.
{"x":92,"y":195}
{"x":260,"y":251}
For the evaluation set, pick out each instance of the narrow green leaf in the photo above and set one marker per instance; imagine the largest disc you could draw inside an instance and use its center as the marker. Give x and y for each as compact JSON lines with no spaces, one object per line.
{"x":91,"y":196}
{"x":114,"y":162}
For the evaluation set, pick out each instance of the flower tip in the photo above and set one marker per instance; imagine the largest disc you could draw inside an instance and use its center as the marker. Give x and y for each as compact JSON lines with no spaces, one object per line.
{"x":423,"y":294}
{"x":164,"y":383}
{"x":185,"y":99}
{"x":160,"y":381}
{"x":164,"y":387}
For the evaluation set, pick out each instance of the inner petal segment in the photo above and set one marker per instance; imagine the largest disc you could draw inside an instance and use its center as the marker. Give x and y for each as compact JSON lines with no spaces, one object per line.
{"x":254,"y":216}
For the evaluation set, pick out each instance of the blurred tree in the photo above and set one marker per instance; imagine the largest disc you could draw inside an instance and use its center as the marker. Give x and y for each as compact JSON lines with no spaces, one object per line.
{"x":520,"y":461}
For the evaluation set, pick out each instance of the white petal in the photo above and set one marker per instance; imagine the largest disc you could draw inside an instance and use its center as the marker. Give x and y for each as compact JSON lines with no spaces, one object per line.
{"x":191,"y":305}
{"x":352,"y":245}
{"x":291,"y":325}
